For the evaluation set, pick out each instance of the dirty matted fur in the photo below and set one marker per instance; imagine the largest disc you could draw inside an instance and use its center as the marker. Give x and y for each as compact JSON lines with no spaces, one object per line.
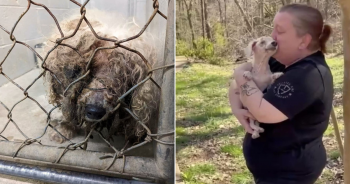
{"x":112,"y":73}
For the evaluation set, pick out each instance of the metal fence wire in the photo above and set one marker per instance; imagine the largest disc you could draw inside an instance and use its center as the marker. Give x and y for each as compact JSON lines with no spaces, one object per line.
{"x":120,"y":103}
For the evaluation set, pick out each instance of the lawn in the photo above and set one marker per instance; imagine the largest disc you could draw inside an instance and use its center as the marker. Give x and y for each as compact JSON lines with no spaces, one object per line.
{"x":208,"y":136}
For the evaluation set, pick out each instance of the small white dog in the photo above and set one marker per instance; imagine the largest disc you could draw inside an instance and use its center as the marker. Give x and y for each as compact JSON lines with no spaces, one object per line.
{"x":261,"y":49}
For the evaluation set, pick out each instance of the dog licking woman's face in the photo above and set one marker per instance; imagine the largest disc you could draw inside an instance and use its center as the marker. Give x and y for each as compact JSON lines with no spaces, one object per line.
{"x":262,"y":48}
{"x":285,"y":34}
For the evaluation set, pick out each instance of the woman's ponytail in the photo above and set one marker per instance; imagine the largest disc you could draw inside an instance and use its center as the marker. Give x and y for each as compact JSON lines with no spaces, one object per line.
{"x":326,"y":33}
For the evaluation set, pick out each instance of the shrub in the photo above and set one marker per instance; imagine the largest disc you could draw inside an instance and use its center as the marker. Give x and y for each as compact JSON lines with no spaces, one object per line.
{"x":182,"y":48}
{"x":205,"y":48}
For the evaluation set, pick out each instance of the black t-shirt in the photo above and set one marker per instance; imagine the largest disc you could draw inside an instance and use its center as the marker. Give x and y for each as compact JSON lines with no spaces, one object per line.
{"x":304,"y":93}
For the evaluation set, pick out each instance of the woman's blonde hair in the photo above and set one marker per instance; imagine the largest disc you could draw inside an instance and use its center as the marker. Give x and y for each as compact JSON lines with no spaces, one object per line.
{"x":309,"y":20}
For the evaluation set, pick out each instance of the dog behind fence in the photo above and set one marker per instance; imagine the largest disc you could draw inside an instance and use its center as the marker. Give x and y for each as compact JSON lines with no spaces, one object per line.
{"x":116,"y":44}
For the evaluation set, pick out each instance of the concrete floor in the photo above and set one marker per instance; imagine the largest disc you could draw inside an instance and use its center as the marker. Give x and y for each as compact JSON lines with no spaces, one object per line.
{"x":31,"y":119}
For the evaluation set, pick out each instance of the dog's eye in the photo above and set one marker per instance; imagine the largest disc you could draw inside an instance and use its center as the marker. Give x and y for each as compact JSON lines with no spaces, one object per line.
{"x":262,"y":42}
{"x":71,"y":72}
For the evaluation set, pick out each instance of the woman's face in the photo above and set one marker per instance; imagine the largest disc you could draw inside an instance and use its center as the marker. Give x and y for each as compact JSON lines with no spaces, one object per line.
{"x":286,"y":37}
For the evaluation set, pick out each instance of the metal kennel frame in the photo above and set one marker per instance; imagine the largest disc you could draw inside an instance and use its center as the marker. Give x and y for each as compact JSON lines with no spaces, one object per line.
{"x":71,"y":164}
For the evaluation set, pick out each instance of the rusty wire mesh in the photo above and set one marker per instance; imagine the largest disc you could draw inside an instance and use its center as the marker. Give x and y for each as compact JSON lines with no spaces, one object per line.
{"x":73,"y":146}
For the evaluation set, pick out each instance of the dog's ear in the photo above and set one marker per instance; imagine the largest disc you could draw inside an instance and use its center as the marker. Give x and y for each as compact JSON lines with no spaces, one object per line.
{"x":249,"y":49}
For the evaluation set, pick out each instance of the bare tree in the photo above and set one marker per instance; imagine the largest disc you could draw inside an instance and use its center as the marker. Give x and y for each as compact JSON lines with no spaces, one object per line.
{"x":207,"y":26}
{"x":326,"y":10}
{"x":197,"y":7}
{"x":220,"y":11}
{"x":189,"y":18}
{"x":242,"y":20}
{"x":178,"y":25}
{"x":202,"y":13}
{"x":261,"y":11}
{"x":249,"y":27}
{"x":226,"y":30}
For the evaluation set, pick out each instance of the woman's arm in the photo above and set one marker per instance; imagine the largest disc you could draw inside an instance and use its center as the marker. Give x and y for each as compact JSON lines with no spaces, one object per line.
{"x":237,"y":109}
{"x":252,"y":98}
{"x":233,"y":96}
{"x":297,"y":89}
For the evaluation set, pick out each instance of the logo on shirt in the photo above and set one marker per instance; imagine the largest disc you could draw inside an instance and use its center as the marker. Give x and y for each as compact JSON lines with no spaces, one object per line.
{"x":283,"y":90}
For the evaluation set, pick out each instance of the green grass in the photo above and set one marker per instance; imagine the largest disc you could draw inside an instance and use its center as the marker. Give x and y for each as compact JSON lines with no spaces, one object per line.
{"x":180,"y":131}
{"x":201,"y":96}
{"x":201,"y":92}
{"x":334,"y":154}
{"x":327,"y":176}
{"x":239,"y":131}
{"x":189,"y":175}
{"x":242,"y":178}
{"x":182,"y":140}
{"x":233,"y":150}
{"x":337,"y":67}
{"x":329,"y":131}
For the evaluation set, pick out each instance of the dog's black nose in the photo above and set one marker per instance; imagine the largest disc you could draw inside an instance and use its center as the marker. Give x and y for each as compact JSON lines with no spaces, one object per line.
{"x":274,"y":43}
{"x":94,"y":112}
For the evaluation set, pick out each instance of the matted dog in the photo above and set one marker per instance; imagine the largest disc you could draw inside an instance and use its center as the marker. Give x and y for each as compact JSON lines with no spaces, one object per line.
{"x":260,"y":50}
{"x":112,"y":73}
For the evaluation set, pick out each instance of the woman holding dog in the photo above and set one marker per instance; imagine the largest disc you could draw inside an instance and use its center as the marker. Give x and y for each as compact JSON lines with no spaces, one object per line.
{"x":294,"y":111}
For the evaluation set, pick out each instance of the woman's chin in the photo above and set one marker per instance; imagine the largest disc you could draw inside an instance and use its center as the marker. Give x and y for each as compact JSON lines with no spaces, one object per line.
{"x":276,"y":56}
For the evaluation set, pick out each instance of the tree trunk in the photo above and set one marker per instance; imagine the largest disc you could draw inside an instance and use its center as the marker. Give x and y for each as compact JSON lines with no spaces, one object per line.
{"x":221,"y":19}
{"x":197,"y":8}
{"x":326,"y":10}
{"x":189,"y":18}
{"x":246,"y":20}
{"x":345,"y":6}
{"x":274,"y":7}
{"x":207,"y":27}
{"x":178,"y":21}
{"x":202,"y":14}
{"x":226,"y":30}
{"x":261,"y":12}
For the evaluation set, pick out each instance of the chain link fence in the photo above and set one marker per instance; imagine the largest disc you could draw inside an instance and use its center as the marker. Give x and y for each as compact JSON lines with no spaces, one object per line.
{"x":70,"y":156}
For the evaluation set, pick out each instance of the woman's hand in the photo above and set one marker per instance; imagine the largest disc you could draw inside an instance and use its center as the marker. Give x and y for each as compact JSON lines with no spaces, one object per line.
{"x":243,"y":116}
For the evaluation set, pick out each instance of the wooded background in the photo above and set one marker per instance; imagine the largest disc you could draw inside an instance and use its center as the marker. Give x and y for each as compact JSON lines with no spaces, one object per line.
{"x":217,"y":30}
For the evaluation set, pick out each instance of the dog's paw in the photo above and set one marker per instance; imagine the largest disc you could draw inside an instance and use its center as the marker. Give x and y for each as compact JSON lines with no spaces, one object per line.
{"x":276,"y":75}
{"x":255,"y":135}
{"x":257,"y":127}
{"x":248,"y":75}
{"x":65,"y":129}
{"x":261,"y":130}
